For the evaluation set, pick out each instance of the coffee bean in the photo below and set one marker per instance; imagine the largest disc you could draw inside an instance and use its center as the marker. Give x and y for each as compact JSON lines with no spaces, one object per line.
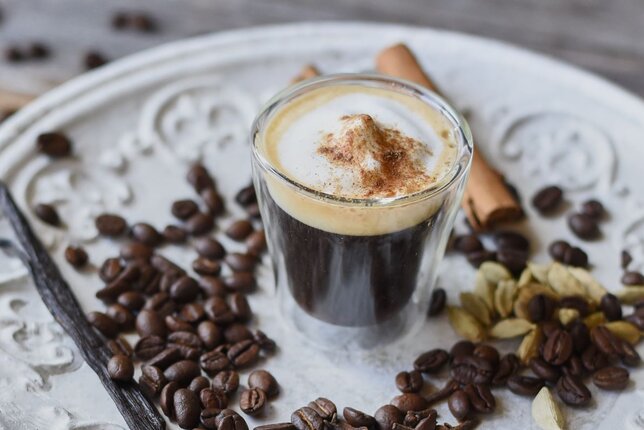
{"x":431,"y":361}
{"x":54,"y":145}
{"x":541,"y":308}
{"x":633,"y":278}
{"x":525,"y":385}
{"x":544,"y":370}
{"x":165,"y":358}
{"x":206,"y":267}
{"x":214,"y":361}
{"x":576,"y":257}
{"x":636,"y":318}
{"x":94,"y":59}
{"x":210,"y":248}
{"x":145,"y":233}
{"x":508,"y":366}
{"x":462,"y":348}
{"x":200,"y":223}
{"x":558,"y":348}
{"x":122,"y":316}
{"x":459,"y":405}
{"x":477,"y":258}
{"x":409,"y":402}
{"x":580,"y":336}
{"x":628,"y":354}
{"x":276,"y":426}
{"x":143,"y":23}
{"x":480,"y":397}
{"x":104,"y":324}
{"x":510,"y":240}
{"x":212,"y":398}
{"x":150,"y":323}
{"x":557,"y":250}
{"x":409,"y":382}
{"x":236,"y":333}
{"x":120,"y":345}
{"x":611,"y":378}
{"x":132,"y":300}
{"x":182,"y":372}
{"x":47,"y":213}
{"x":199,"y":177}
{"x":593,"y":209}
{"x":256,"y":242}
{"x":265,"y":343}
{"x":470,"y":369}
{"x":252,"y":401}
{"x":428,"y":423}
{"x":606,"y":341}
{"x":136,"y":251}
{"x":574,"y":366}
{"x":123,"y":282}
{"x":120,"y":368}
{"x":611,"y":307}
{"x":226,"y":381}
{"x":467,"y":243}
{"x":239,"y":230}
{"x":230,"y":420}
{"x":76,"y":256}
{"x":625,"y":259}
{"x":209,"y":334}
{"x":593,"y":359}
{"x":550,"y":327}
{"x":414,"y":419}
{"x":149,"y":346}
{"x":358,"y":418}
{"x":241,"y":262}
{"x":515,"y":261}
{"x":160,"y":303}
{"x":240,"y":307}
{"x":572,"y":391}
{"x":198,"y":384}
{"x":213,"y":201}
{"x":547,"y":199}
{"x":265,"y":381}
{"x":218,"y":310}
{"x":188,"y":343}
{"x":184,"y":209}
{"x":488,"y":353}
{"x":152,"y":381}
{"x":211,"y":286}
{"x":443,"y":393}
{"x":174,"y":324}
{"x":583,"y":226}
{"x":184,"y":289}
{"x":388,"y":415}
{"x":242,"y":282}
{"x":110,"y":225}
{"x":14,"y":54}
{"x":166,"y":399}
{"x":576,"y":302}
{"x":246,"y":196}
{"x":186,"y":408}
{"x":174,"y":234}
{"x":437,"y":302}
{"x":306,"y":418}
{"x":243,"y":353}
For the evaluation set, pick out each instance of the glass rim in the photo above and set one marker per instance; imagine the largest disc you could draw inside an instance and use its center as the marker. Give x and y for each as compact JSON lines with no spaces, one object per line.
{"x":458,"y":169}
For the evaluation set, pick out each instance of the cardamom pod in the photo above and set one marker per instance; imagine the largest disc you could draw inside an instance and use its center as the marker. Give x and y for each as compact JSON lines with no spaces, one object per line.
{"x":504,"y":296}
{"x":529,"y":346}
{"x":562,"y":281}
{"x":624,"y":330}
{"x":630,"y":295}
{"x":476,"y":306}
{"x":545,"y":411}
{"x":511,"y":327}
{"x":465,"y":324}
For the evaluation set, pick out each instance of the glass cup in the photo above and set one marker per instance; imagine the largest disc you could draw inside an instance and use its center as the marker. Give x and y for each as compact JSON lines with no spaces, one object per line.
{"x":345,"y":288}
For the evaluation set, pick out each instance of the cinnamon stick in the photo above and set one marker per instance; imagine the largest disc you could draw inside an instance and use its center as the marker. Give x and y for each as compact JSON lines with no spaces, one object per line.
{"x":487,"y":200}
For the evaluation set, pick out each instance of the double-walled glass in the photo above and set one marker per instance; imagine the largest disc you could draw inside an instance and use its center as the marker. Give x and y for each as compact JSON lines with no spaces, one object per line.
{"x":347,"y":286}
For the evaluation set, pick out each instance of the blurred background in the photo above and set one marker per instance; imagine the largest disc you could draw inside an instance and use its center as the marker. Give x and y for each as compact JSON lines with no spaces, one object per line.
{"x":45,"y":42}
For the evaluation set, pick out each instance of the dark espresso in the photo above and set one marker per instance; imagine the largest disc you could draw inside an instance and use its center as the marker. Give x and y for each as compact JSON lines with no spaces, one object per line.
{"x":343,"y":279}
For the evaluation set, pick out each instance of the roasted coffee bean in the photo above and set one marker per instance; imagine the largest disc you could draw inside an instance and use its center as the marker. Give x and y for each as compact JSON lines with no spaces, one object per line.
{"x":325,"y":408}
{"x":576,"y":302}
{"x":574,"y":366}
{"x":246,"y":196}
{"x":459,"y":405}
{"x":265,"y":381}
{"x":488,"y":353}
{"x":467,"y":243}
{"x":165,"y":358}
{"x":122,"y":316}
{"x":14,"y":54}
{"x":593,"y":359}
{"x":208,"y":419}
{"x":243,"y":353}
{"x":593,"y":208}
{"x":470,"y":369}
{"x":218,"y":310}
{"x":477,"y":258}
{"x":174,"y":324}
{"x":541,"y":308}
{"x":239,"y":262}
{"x":146,"y":234}
{"x":576,"y":257}
{"x":241,"y":282}
{"x":94,"y":59}
{"x":636,"y":318}
{"x":557,"y":250}
{"x":76,"y":256}
{"x":558,"y":348}
{"x":462,"y":348}
{"x":161,"y":303}
{"x":104,"y":324}
{"x":265,"y":343}
{"x":611,"y":307}
{"x":583,"y":226}
{"x":606,"y":341}
{"x":121,"y":346}
{"x":428,"y":423}
{"x":200,"y":223}
{"x":230,"y":420}
{"x":206,"y":267}
{"x":625,"y":259}
{"x":152,"y":381}
{"x":409,"y":402}
{"x":276,"y":426}
{"x":174,"y":234}
{"x":226,"y":381}
{"x":150,"y":323}
{"x":184,"y":209}
{"x":550,"y":327}
{"x":143,"y":23}
{"x":211,"y":286}
{"x":413,"y":419}
{"x":358,"y":418}
{"x":166,"y":399}
{"x":437,"y":302}
{"x":236,"y":333}
{"x":580,"y":336}
{"x":239,"y":230}
{"x":572,"y":391}
{"x":110,"y":225}
{"x":515,"y":261}
{"x":186,"y":408}
{"x":182,"y":372}
{"x":47,"y":213}
{"x":120,"y":368}
{"x":306,"y":418}
{"x":409,"y":382}
{"x":123,"y":282}
{"x":252,"y":401}
{"x":212,"y":398}
{"x":149,"y":346}
{"x":611,"y":378}
{"x":198,"y":384}
{"x":192,"y":313}
{"x":132,"y":300}
{"x":633,"y":278}
{"x":480,"y":397}
{"x":240,"y":307}
{"x":544,"y":370}
{"x":510,"y":240}
{"x":431,"y":361}
{"x":525,"y":385}
{"x":388,"y":415}
{"x":630,"y":357}
{"x":188,"y":343}
{"x":209,"y":334}
{"x":214,"y":361}
{"x":110,"y":269}
{"x":210,"y":248}
{"x":213,"y":201}
{"x":547,"y":199}
{"x":54,"y":145}
{"x":508,"y":366}
{"x":136,"y":251}
{"x":184,"y":289}
{"x":443,"y":393}
{"x":199,"y":177}
{"x":256,"y":242}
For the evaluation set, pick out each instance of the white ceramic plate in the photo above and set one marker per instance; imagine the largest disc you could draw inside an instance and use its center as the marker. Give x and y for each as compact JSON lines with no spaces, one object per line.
{"x":138,"y":123}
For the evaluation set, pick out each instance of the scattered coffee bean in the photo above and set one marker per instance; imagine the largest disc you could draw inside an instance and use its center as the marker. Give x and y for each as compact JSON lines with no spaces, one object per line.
{"x":470,"y":369}
{"x":104,"y":324}
{"x":199,"y":177}
{"x":265,"y":343}
{"x":174,"y":234}
{"x":175,"y":324}
{"x":184,"y":289}
{"x":243,"y":353}
{"x":265,"y":381}
{"x":166,"y":399}
{"x":246,"y":196}
{"x":583,"y":226}
{"x":388,"y":415}
{"x":241,"y":262}
{"x":110,"y":225}
{"x":120,"y":368}
{"x":557,"y":250}
{"x":184,"y":209}
{"x":256,"y":242}
{"x":625,"y":259}
{"x":188,"y":343}
{"x":242,"y":282}
{"x":480,"y":397}
{"x":152,"y":381}
{"x":236,"y":333}
{"x":431,"y":361}
{"x":165,"y":358}
{"x":110,"y":269}
{"x":252,"y":401}
{"x":558,"y":348}
{"x":122,"y":316}
{"x":636,"y":318}
{"x":462,"y":348}
{"x":414,"y":419}
{"x":186,"y":408}
{"x":525,"y":385}
{"x":633,"y":278}
{"x":488,"y":353}
{"x":226,"y":381}
{"x":409,"y":402}
{"x":477,"y":258}
{"x":161,"y":304}
{"x":593,"y":359}
{"x":94,"y":59}
{"x":136,"y":251}
{"x":200,"y":223}
{"x":230,"y":420}
{"x":149,"y":346}
{"x":358,"y":418}
{"x":47,"y":213}
{"x":510,"y":240}
{"x":580,"y":336}
{"x":120,"y":345}
{"x":206,"y":267}
{"x":593,"y":208}
{"x":548,"y":199}
{"x":239,"y":230}
{"x":212,"y":398}
{"x":576,"y":257}
{"x":76,"y":256}
{"x":574,"y":366}
{"x":150,"y":323}
{"x":541,"y":308}
{"x":572,"y":391}
{"x":459,"y":405}
{"x":210,"y":248}
{"x":437,"y":302}
{"x":14,"y":54}
{"x":276,"y":426}
{"x":515,"y":261}
{"x":508,"y":366}
{"x":39,"y":51}
{"x":443,"y":393}
{"x":54,"y":145}
{"x":214,"y":361}
{"x":182,"y":372}
{"x":467,"y":243}
{"x":409,"y":382}
{"x":606,"y":341}
{"x":611,"y":378}
{"x":146,"y":234}
{"x":544,"y":370}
